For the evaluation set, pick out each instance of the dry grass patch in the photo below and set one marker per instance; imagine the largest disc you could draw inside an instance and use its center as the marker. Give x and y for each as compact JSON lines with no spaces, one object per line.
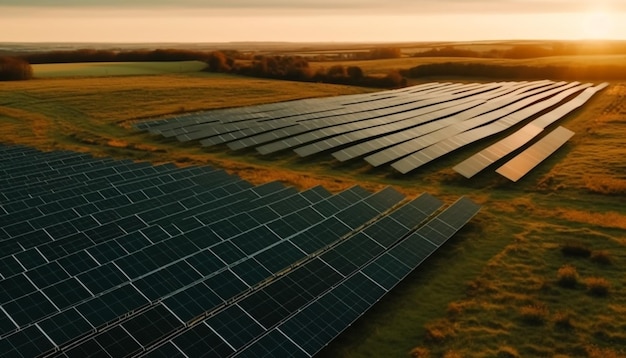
{"x":605,"y":185}
{"x":536,"y":314}
{"x":598,"y":286}
{"x":420,"y":352}
{"x":567,"y":276}
{"x":608,"y":219}
{"x":453,"y":354}
{"x":440,"y":330}
{"x":563,"y":320}
{"x":600,"y":352}
{"x":602,"y":257}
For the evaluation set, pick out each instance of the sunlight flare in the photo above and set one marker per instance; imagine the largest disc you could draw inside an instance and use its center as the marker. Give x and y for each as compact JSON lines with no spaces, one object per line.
{"x":598,"y":25}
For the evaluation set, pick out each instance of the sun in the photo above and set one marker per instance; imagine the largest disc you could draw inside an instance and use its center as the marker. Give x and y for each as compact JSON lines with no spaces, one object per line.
{"x":597,"y":25}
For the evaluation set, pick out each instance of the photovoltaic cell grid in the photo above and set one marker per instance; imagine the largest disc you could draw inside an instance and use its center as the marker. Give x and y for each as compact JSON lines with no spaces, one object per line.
{"x":497,"y":151}
{"x":404,"y":128}
{"x":117,"y":258}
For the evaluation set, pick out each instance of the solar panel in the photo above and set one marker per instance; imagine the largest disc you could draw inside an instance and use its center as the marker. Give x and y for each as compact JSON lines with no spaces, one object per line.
{"x":164,"y":256}
{"x":519,"y":166}
{"x":497,"y":99}
{"x":29,"y":342}
{"x":376,"y":118}
{"x":457,"y":140}
{"x":511,"y":105}
{"x":314,"y":326}
{"x":491,"y":154}
{"x":269,"y":305}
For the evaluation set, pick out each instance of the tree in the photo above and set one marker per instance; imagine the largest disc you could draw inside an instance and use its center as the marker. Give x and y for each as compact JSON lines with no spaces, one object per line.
{"x":15,"y":69}
{"x":355,"y":72}
{"x":336,"y":71}
{"x":218,"y":62}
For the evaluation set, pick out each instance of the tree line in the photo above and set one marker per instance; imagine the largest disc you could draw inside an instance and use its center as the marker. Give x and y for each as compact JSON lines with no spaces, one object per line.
{"x":297,"y":68}
{"x":92,"y":55}
{"x":527,"y":51}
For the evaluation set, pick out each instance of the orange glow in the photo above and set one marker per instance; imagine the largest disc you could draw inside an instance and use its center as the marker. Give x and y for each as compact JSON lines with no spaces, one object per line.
{"x":598,"y":25}
{"x":203,"y":25}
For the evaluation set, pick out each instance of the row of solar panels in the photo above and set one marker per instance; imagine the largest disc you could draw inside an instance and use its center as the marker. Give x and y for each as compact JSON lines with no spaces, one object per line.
{"x":524,"y":162}
{"x":406,"y":128}
{"x":102,"y":257}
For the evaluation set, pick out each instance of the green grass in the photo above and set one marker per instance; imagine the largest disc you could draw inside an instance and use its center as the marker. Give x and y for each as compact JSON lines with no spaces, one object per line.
{"x":468,"y":298}
{"x":103,"y":69}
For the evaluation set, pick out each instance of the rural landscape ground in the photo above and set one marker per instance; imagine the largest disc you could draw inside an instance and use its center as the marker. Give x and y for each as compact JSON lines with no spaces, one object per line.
{"x":540,"y":271}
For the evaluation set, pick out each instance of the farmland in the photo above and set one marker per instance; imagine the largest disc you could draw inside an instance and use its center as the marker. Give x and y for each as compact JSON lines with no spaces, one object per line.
{"x":104,"y":69}
{"x":495,"y":288}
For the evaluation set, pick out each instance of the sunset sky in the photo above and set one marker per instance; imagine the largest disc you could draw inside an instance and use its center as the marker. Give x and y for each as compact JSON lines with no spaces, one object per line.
{"x":308,"y":20}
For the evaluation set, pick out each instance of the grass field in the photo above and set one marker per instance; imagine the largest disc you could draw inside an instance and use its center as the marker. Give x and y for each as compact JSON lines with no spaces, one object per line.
{"x":498,"y":288}
{"x":103,"y":69}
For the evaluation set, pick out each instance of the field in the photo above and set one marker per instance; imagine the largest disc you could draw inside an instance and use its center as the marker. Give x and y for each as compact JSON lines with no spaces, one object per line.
{"x":98,"y":69}
{"x":381,"y":67}
{"x":525,"y":278}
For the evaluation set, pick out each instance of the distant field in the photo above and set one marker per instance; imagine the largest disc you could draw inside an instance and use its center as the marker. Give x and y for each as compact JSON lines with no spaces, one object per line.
{"x":103,"y":69}
{"x":493,"y":290}
{"x":373,"y":67}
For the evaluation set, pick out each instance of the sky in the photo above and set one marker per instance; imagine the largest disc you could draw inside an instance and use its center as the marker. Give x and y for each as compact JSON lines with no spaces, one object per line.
{"x":309,"y":20}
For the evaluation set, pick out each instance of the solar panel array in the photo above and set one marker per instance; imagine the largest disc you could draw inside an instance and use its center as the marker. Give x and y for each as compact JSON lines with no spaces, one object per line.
{"x":404,"y":128}
{"x":535,"y":154}
{"x":103,"y":257}
{"x":481,"y":160}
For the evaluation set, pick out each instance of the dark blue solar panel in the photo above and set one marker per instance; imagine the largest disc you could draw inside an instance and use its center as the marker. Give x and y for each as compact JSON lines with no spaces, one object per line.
{"x":112,"y":305}
{"x":201,"y":341}
{"x":6,"y":325}
{"x":29,"y":308}
{"x":193,"y":302}
{"x":235,"y":326}
{"x":151,"y":325}
{"x":66,"y":293}
{"x":135,"y":259}
{"x":30,"y":342}
{"x":65,"y":326}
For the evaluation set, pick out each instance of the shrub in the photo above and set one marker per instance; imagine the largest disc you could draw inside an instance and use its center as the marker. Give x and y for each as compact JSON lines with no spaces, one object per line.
{"x":563,"y":320}
{"x":576,"y":249}
{"x":567,"y":276}
{"x":598,"y":286}
{"x":14,"y":69}
{"x":601,"y":257}
{"x":534,"y":314}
